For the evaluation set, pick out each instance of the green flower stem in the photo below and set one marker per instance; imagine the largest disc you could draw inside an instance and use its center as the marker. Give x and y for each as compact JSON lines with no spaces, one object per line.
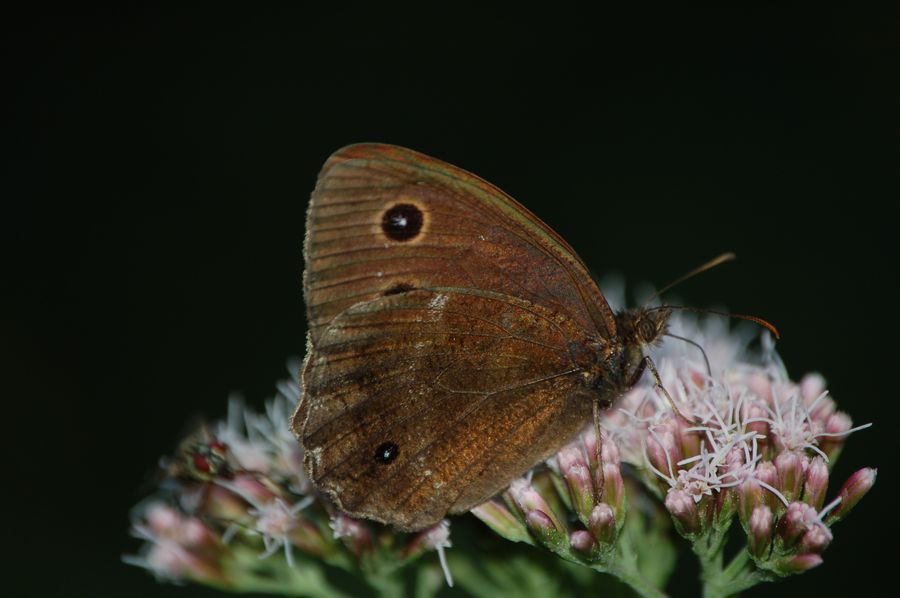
{"x":623,"y":564}
{"x":730,"y":580}
{"x":625,"y":569}
{"x":249,"y":573}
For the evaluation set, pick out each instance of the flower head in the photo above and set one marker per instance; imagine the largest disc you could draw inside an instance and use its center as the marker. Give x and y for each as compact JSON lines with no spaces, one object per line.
{"x":735,"y":437}
{"x":237,"y":494}
{"x":751,"y":443}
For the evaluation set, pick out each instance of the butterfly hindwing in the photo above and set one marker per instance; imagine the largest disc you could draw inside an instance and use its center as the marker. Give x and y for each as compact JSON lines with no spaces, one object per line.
{"x":429,"y":401}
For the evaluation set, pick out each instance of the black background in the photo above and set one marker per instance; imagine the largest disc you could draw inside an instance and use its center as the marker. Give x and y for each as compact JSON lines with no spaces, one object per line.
{"x":157,"y":164}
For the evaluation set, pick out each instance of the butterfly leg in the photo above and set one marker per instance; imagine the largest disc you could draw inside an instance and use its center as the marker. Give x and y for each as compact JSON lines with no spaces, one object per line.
{"x":599,"y":477}
{"x":647,"y":363}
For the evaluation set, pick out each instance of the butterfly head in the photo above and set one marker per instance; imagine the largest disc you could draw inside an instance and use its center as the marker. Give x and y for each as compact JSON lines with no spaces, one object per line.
{"x":643,"y":326}
{"x":638,"y":329}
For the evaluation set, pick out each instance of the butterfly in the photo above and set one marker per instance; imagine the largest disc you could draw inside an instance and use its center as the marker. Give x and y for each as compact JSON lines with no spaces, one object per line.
{"x":454,"y":339}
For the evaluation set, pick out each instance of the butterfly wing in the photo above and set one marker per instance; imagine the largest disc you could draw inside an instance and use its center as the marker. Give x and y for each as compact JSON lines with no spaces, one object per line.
{"x":430,"y":401}
{"x":457,"y":231}
{"x":441,"y":313}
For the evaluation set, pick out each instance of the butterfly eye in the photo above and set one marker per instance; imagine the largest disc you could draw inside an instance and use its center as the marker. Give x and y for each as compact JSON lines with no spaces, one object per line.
{"x":402,"y":222}
{"x":386,"y":452}
{"x":646,"y":330}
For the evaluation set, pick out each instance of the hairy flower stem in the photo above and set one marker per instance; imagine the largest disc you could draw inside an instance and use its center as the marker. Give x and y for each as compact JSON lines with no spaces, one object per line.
{"x":626,"y":570}
{"x":624,"y":565}
{"x":635,"y":581}
{"x":721,"y":581}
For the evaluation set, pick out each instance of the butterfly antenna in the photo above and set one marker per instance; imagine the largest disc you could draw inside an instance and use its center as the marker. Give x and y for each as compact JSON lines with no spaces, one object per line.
{"x":756,"y":320}
{"x":721,"y":259}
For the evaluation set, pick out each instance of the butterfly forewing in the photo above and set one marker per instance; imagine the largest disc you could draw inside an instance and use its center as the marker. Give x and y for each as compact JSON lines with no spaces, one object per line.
{"x":383,"y":218}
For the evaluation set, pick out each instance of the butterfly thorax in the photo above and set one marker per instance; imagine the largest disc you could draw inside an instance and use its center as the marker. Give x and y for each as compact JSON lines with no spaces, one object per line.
{"x":612,"y":366}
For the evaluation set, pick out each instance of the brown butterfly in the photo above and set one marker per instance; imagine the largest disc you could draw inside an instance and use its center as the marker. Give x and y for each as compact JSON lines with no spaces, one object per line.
{"x":455,"y":340}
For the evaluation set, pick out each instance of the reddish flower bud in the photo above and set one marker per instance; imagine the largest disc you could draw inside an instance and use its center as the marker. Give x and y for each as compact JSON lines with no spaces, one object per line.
{"x":602,"y":524}
{"x":502,"y":521}
{"x":795,"y":522}
{"x":750,"y":496}
{"x":856,"y":486}
{"x":582,"y":541}
{"x":790,"y":467}
{"x":574,"y":469}
{"x":761,"y":527}
{"x":684,"y":512}
{"x":815,"y":540}
{"x":798,"y":564}
{"x":816,"y":483}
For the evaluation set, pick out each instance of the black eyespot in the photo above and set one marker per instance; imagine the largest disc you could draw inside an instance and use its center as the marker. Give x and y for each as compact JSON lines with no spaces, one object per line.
{"x":386,"y":452}
{"x":400,"y":287}
{"x":402,"y":222}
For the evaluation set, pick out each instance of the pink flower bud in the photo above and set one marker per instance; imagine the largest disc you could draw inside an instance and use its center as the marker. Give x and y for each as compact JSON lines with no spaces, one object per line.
{"x":790,"y":466}
{"x":168,"y":560}
{"x":590,"y":447}
{"x":688,"y":440}
{"x":545,"y":529}
{"x":602,"y":524}
{"x":610,"y":452}
{"x":684,"y":511}
{"x":798,"y":563}
{"x":162,"y":519}
{"x":609,"y":449}
{"x":760,"y":385}
{"x":662,"y":449}
{"x":529,"y":500}
{"x":815,"y":540}
{"x":767,"y":474}
{"x":178,"y":547}
{"x":856,"y":486}
{"x":574,"y":470}
{"x":750,"y":496}
{"x":837,"y":423}
{"x":656,"y":454}
{"x":761,"y":526}
{"x":822,"y":410}
{"x":798,"y":518}
{"x":195,"y":534}
{"x":614,"y":489}
{"x":811,"y":387}
{"x":223,"y":504}
{"x":582,"y":541}
{"x":816,"y":483}
{"x":502,"y":521}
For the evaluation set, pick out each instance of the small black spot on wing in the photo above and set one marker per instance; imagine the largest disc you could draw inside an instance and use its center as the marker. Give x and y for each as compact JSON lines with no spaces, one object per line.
{"x":402,"y":222}
{"x":386,"y":452}
{"x":396,"y":289}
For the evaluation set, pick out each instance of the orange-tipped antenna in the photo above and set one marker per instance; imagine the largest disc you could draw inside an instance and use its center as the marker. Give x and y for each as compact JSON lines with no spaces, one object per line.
{"x":753,"y":319}
{"x":721,"y":259}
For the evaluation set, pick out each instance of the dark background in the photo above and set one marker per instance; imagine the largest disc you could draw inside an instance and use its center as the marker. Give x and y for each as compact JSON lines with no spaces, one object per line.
{"x":157,"y":165}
